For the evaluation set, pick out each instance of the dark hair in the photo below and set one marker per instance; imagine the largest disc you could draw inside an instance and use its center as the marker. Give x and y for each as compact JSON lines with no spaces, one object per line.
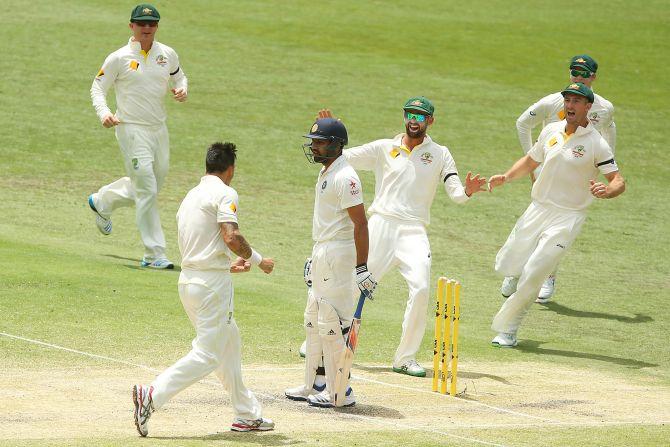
{"x":220,"y":156}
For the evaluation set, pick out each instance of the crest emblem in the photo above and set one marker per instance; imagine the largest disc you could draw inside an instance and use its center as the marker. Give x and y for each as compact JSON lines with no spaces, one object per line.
{"x":161,"y":60}
{"x":580,"y":60}
{"x":574,"y":86}
{"x":578,"y":151}
{"x":315,"y":127}
{"x":147,"y":11}
{"x":426,"y":158}
{"x":136,"y":163}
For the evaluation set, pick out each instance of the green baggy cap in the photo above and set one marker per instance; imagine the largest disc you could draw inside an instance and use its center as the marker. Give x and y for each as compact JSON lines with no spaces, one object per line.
{"x":579,"y":89}
{"x":420,"y":103}
{"x":145,"y":12}
{"x":585,"y":62}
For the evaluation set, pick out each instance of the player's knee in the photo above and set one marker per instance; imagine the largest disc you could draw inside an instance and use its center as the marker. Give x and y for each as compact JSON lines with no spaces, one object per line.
{"x":329,"y":322}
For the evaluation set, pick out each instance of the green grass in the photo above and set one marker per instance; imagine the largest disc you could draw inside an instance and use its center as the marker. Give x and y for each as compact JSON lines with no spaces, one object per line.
{"x":258,"y":72}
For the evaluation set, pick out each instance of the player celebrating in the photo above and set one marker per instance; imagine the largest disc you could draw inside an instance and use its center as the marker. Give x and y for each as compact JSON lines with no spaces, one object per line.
{"x":339,"y":261}
{"x":573,"y":153}
{"x":208,"y":237}
{"x":547,"y":110}
{"x":140,"y":73}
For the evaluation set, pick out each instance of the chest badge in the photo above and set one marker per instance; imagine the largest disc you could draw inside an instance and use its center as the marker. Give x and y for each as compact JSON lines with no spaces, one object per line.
{"x":426,"y":158}
{"x":161,"y":60}
{"x":578,"y":151}
{"x":134,"y":65}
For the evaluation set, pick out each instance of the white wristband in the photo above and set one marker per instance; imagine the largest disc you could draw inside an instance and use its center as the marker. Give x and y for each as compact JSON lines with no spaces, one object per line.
{"x":255,"y":258}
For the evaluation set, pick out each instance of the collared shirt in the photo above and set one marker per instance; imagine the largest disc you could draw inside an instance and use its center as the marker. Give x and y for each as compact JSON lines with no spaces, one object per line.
{"x":550,"y":110}
{"x":206,"y":206}
{"x":140,"y":81}
{"x":570,"y":162}
{"x":406,"y":181}
{"x":337,"y":189}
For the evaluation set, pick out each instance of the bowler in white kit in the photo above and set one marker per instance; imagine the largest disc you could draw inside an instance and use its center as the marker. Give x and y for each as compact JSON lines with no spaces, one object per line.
{"x":573,"y":153}
{"x":141,"y":73}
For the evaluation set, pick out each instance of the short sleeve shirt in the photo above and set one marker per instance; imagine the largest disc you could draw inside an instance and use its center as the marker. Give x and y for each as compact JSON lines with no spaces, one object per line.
{"x":337,"y":189}
{"x":200,"y":214}
{"x":570,"y":162}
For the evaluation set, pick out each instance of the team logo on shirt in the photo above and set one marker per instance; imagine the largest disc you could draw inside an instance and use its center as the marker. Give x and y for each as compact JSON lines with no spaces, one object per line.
{"x":161,"y":60}
{"x":426,"y":158}
{"x":578,"y":151}
{"x":594,"y":118}
{"x":353,"y":186}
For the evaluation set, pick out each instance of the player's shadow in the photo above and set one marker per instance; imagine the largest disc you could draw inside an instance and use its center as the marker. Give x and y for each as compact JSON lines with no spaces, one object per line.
{"x":376,"y":411}
{"x":533,"y":346}
{"x":265,"y":439}
{"x":564,"y":310}
{"x":136,"y":264}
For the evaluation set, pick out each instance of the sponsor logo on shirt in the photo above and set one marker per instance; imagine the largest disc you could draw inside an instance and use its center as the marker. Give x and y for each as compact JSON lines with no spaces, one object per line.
{"x":426,"y":158}
{"x":233,"y":208}
{"x":553,"y":141}
{"x":532,"y":113}
{"x":561,"y":114}
{"x":100,"y":73}
{"x":134,"y":65}
{"x":355,"y":190}
{"x":578,"y":151}
{"x":161,"y":60}
{"x":323,"y":185}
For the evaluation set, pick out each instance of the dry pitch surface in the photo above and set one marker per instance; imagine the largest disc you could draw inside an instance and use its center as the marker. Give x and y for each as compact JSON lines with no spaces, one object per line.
{"x":82,"y":402}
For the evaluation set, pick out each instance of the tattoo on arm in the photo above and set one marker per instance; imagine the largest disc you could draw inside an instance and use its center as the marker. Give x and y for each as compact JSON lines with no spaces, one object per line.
{"x":234,"y":240}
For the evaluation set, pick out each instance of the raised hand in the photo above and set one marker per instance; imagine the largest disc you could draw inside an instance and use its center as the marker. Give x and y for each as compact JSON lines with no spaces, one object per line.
{"x":474,"y":184}
{"x":496,"y":180}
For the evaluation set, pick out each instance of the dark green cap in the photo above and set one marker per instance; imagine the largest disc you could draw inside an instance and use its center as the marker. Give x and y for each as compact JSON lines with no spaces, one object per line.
{"x":145,"y":12}
{"x":579,"y":89}
{"x":420,"y":103}
{"x":585,"y":62}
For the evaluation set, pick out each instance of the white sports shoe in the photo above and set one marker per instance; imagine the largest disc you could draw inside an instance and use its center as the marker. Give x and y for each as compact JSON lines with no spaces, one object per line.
{"x":261,"y":424}
{"x":104,"y":224}
{"x":144,"y":406}
{"x":508,"y":286}
{"x":160,"y":264}
{"x":547,"y":290}
{"x":302,"y":393}
{"x":411,"y":368}
{"x":505,"y":340}
{"x":323,"y":399}
{"x":303,"y":349}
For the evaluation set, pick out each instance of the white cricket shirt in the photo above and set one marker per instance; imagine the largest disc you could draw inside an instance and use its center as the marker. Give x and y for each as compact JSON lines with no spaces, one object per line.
{"x":550,"y":109}
{"x":570,"y":162}
{"x":405,"y":182}
{"x":140,"y":82}
{"x":337,"y":189}
{"x":200,"y":213}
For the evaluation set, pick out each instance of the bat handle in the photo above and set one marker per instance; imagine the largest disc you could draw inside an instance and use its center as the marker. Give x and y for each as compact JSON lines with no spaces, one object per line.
{"x":359,"y":307}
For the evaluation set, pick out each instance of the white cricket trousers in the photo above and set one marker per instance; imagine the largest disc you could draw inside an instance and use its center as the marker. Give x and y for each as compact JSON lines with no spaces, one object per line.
{"x":207,"y":298}
{"x":539,"y":240}
{"x":334,"y":276}
{"x":402,"y":244}
{"x":146,"y":157}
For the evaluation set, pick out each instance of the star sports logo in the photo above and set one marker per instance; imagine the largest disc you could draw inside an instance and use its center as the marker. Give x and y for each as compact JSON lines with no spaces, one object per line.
{"x":354,"y":188}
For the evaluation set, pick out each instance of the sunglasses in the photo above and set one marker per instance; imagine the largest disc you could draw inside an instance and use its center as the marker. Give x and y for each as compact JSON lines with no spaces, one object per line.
{"x":409,"y":116}
{"x":149,"y":23}
{"x":580,"y":73}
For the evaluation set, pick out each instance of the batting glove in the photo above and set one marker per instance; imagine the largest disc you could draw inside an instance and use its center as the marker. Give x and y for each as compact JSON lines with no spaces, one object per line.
{"x":364,"y":279}
{"x":307,"y":272}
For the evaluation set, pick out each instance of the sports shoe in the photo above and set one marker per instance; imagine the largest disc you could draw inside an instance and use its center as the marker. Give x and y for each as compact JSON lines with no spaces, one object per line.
{"x":303,"y":349}
{"x":104,"y":224}
{"x":302,"y":392}
{"x":505,"y":340}
{"x":160,"y":264}
{"x":547,"y":290}
{"x":261,"y":424}
{"x":144,"y":406}
{"x":411,"y":368}
{"x":508,"y":286}
{"x":323,"y":400}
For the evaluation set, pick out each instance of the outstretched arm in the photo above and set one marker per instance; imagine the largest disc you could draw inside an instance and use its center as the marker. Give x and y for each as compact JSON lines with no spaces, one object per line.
{"x":523,"y":166}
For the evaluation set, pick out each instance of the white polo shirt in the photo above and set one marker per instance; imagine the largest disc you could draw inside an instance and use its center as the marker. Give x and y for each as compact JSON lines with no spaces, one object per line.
{"x":200,"y":242}
{"x":337,"y":189}
{"x":140,"y":82}
{"x":405,"y":182}
{"x":550,"y":110}
{"x":570,"y":162}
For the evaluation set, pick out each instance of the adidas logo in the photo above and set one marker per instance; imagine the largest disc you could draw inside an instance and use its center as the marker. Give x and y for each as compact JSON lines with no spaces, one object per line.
{"x":331,"y":332}
{"x":309,"y":324}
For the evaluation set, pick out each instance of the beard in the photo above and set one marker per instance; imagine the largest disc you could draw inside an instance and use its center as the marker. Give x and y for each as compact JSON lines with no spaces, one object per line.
{"x":415,"y":134}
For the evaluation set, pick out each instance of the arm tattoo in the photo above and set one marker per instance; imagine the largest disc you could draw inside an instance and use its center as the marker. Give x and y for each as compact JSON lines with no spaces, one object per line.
{"x":237,"y":243}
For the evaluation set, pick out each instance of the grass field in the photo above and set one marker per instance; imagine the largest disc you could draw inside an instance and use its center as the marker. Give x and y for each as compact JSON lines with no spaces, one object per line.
{"x":592,"y":368}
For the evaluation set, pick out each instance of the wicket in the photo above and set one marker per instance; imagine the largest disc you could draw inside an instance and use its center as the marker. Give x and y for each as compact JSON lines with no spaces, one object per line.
{"x":447,"y":315}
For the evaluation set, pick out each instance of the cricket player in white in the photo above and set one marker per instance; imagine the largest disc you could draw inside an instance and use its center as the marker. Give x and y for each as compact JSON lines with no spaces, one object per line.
{"x":550,"y":110}
{"x":408,"y":169}
{"x":141,"y":73}
{"x":573,"y":153}
{"x":209,"y":238}
{"x":339,"y":257}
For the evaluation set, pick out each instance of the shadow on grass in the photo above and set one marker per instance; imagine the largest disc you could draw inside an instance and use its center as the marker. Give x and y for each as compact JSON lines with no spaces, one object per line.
{"x":471,"y":375}
{"x":533,"y":346}
{"x":563,"y":310}
{"x":269,"y":439}
{"x":136,"y":265}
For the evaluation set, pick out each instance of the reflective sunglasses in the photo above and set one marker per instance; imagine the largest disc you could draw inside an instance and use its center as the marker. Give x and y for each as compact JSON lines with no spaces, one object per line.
{"x":409,"y":116}
{"x":149,"y":23}
{"x":580,"y":73}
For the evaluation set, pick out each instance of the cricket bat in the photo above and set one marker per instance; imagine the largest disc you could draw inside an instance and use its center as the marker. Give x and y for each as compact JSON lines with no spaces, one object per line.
{"x":347,"y":358}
